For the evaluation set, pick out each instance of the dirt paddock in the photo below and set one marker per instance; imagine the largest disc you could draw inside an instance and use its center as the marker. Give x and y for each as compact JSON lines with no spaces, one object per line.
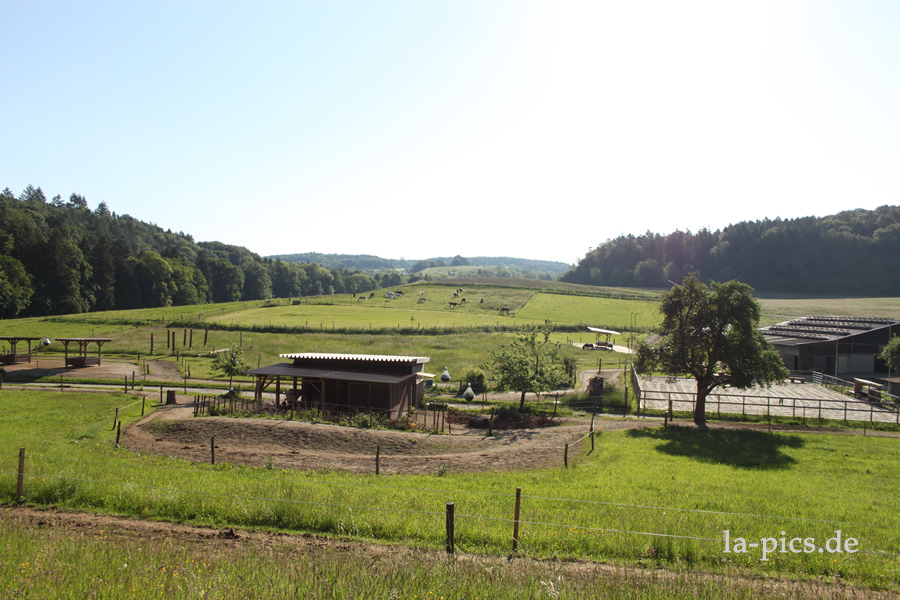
{"x":173,"y":431}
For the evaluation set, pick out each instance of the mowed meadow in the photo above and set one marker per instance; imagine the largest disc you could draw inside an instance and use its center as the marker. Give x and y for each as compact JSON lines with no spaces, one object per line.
{"x":645,"y":510}
{"x":458,"y":337}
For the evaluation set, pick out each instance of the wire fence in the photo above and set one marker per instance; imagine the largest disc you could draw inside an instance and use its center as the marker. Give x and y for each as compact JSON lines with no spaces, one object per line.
{"x":293,"y":500}
{"x":674,"y":394}
{"x":43,"y":471}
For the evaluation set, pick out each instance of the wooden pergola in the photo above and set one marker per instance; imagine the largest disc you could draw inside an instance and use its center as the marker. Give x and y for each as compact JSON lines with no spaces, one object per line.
{"x":81,"y":359}
{"x":13,"y":357}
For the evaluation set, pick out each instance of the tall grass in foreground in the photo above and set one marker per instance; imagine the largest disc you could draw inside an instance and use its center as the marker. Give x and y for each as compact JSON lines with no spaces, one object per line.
{"x":55,"y":562}
{"x":659,"y":497}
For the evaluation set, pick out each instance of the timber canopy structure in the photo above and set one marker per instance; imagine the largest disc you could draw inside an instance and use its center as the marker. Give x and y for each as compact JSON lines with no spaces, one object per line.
{"x":81,"y":357}
{"x":348,"y":383}
{"x":13,"y":356}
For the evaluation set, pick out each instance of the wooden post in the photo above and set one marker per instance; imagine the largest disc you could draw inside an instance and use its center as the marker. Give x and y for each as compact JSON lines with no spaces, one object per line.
{"x":20,"y":487}
{"x":592,"y":439}
{"x":184,"y":341}
{"x":205,"y":336}
{"x":151,"y":343}
{"x":116,"y":419}
{"x":377,"y":460}
{"x":143,"y":405}
{"x":132,"y":380}
{"x":60,"y":382}
{"x":118,"y":433}
{"x":491,"y":423}
{"x":212,"y":450}
{"x":566,"y":457}
{"x":516,"y":520}
{"x":450,"y":525}
{"x":191,"y":343}
{"x":168,"y":338}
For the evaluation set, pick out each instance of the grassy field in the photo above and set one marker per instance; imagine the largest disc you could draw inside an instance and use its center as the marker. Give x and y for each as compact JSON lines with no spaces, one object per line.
{"x":642,"y":497}
{"x":106,"y":561}
{"x":459,"y":338}
{"x":776,"y":310}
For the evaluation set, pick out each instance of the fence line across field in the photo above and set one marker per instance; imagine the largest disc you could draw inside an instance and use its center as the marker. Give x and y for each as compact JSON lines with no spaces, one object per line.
{"x":815,"y":401}
{"x":450,"y":521}
{"x":371,"y":508}
{"x":284,"y":480}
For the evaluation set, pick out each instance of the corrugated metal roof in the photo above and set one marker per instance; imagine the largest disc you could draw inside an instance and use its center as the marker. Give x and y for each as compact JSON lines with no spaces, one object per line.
{"x":289,"y":370}
{"x":817,"y":328}
{"x":357,"y":357}
{"x":606,"y":331}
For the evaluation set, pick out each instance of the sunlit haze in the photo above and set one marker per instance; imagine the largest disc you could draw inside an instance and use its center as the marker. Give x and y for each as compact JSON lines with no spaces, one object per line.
{"x":482,"y":128}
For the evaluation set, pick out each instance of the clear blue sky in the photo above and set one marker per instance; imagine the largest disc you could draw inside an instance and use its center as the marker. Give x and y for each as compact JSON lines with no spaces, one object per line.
{"x":422,"y":128}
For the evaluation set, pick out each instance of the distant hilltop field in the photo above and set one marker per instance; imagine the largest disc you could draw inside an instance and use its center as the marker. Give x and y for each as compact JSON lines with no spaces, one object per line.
{"x":454,"y":266}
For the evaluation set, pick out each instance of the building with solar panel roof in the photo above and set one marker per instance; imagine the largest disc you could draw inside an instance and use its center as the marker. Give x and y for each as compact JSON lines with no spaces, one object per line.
{"x":833,"y":345}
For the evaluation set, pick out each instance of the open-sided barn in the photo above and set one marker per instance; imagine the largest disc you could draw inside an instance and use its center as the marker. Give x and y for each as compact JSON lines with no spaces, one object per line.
{"x":391,"y":385}
{"x":833,"y":345}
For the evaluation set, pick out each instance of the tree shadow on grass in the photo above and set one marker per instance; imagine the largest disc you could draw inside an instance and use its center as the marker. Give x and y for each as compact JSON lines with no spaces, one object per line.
{"x":743,"y":448}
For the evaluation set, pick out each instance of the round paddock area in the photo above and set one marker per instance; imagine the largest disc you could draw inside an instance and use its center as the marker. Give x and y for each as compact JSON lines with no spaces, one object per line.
{"x":799,"y":400}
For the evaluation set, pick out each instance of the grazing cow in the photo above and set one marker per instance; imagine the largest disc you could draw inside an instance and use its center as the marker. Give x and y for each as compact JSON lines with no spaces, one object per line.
{"x":398,"y":294}
{"x":463,"y":301}
{"x":481,"y":301}
{"x":452,"y":304}
{"x":504,"y":310}
{"x":456,"y":294}
{"x":362,"y":298}
{"x":372,"y":295}
{"x":422,"y":299}
{"x":389,"y":295}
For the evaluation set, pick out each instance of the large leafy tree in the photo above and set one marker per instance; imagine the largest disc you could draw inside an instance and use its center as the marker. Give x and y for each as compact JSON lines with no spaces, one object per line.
{"x":710,"y":333}
{"x":531,"y":363}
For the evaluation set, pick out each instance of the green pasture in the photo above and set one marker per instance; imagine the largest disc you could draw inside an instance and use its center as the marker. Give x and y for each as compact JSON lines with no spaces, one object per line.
{"x":460,"y":337}
{"x":776,"y":310}
{"x":654,"y":496}
{"x":459,"y":352}
{"x":51,"y":562}
{"x":605,"y":313}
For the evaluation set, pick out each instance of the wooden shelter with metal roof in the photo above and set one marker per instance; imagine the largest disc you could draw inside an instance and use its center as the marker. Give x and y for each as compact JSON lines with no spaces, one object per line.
{"x":834,"y":345}
{"x":349,"y":383}
{"x":13,"y":356}
{"x":81,"y":358}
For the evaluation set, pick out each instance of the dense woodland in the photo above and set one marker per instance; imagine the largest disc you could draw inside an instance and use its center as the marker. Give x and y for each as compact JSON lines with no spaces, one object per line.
{"x":60,"y":257}
{"x":855,"y":253}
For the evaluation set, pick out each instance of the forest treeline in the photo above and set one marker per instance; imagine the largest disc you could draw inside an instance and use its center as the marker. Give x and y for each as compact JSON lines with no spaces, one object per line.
{"x":61,"y":257}
{"x":855,"y":252}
